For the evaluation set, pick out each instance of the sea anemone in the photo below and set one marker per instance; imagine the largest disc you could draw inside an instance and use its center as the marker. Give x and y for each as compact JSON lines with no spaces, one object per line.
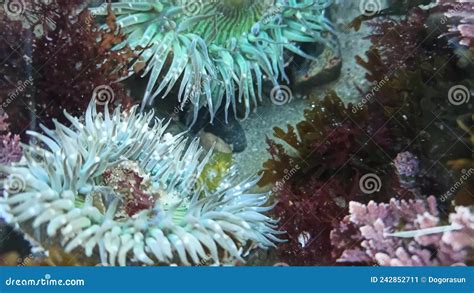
{"x":115,"y":186}
{"x":462,"y":21}
{"x":220,"y":52}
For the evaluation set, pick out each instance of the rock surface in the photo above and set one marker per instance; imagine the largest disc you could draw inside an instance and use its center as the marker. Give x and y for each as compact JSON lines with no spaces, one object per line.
{"x":260,"y":125}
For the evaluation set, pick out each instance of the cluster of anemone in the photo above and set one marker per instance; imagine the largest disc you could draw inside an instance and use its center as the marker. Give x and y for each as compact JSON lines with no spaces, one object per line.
{"x":114,"y":186}
{"x":218,"y":54}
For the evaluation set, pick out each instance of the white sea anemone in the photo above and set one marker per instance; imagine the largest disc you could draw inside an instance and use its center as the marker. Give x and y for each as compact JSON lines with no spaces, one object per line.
{"x":218,"y":53}
{"x":117,"y":188}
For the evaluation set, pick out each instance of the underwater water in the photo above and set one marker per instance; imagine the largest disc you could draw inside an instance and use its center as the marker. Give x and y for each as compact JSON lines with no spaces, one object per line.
{"x":236,"y":132}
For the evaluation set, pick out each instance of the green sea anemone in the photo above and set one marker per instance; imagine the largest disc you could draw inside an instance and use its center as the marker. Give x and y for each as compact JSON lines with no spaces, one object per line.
{"x":219,"y":52}
{"x":116,"y":187}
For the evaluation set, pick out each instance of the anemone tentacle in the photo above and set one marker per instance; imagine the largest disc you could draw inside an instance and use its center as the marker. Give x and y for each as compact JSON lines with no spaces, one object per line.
{"x":219,"y":51}
{"x":116,"y":186}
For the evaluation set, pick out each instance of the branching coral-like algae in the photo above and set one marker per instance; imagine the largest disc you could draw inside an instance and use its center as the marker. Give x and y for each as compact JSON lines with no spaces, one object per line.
{"x":117,"y":188}
{"x":61,"y":66}
{"x":219,"y":52}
